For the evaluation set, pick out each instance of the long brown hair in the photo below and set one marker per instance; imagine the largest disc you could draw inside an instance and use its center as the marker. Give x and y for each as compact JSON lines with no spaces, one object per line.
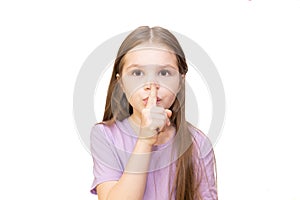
{"x":186,"y":183}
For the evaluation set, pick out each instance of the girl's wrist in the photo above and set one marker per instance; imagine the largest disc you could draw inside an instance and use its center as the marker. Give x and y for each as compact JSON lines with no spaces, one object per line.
{"x":143,"y":146}
{"x":140,"y":158}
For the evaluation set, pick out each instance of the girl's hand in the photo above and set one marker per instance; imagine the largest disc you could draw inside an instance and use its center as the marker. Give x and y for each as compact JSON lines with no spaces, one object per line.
{"x":154,"y":118}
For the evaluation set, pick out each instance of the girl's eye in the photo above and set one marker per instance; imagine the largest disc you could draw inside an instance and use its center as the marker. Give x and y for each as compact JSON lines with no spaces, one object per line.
{"x":164,"y":72}
{"x":137,"y":73}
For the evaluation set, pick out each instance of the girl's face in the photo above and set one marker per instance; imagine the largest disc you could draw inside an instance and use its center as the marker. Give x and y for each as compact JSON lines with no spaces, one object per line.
{"x":143,"y":66}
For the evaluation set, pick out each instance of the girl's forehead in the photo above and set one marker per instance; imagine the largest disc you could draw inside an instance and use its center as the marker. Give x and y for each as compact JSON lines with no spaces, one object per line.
{"x":150,"y":56}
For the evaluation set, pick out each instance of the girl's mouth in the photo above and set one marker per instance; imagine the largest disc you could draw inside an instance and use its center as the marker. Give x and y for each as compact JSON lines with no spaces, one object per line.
{"x":158,"y":100}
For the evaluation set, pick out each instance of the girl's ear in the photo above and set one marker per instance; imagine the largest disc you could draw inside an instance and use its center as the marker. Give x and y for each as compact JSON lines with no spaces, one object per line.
{"x":120,"y":82}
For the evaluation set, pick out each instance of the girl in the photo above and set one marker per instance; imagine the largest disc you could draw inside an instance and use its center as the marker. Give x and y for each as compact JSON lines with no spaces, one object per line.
{"x":144,"y":148}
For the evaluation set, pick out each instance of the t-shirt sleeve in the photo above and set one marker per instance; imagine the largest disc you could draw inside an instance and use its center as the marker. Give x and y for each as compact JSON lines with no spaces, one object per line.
{"x":207,"y":167}
{"x":104,"y":158}
{"x":208,"y":187}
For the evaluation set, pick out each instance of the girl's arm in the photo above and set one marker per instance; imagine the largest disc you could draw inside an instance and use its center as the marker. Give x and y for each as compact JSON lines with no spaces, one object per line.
{"x":132,"y":183}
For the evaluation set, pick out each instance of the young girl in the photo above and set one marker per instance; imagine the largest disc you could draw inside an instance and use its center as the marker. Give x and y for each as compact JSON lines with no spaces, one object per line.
{"x":144,"y":148}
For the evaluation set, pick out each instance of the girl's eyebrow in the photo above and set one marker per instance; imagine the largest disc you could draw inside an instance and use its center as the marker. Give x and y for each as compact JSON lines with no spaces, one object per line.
{"x":132,"y":65}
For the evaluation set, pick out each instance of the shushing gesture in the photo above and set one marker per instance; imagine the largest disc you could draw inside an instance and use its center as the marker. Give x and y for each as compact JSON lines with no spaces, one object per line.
{"x":155,"y":119}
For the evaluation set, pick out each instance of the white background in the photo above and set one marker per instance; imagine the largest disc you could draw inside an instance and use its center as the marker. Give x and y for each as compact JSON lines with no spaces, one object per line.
{"x":254,"y":44}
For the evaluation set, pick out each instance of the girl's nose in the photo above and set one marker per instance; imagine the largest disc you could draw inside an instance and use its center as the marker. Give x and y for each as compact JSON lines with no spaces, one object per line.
{"x":150,"y":78}
{"x":147,"y":85}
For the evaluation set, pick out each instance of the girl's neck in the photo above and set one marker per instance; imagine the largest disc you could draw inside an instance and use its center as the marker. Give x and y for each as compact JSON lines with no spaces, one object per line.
{"x":136,"y":119}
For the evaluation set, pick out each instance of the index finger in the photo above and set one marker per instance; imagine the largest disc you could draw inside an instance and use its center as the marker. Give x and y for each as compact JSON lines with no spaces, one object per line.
{"x":152,"y":97}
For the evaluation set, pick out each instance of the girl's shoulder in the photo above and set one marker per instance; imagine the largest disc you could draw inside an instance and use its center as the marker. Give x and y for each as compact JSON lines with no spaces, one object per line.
{"x":105,"y":125}
{"x":112,"y":124}
{"x":201,"y":140}
{"x":196,"y":132}
{"x":112,"y":129}
{"x":104,"y":129}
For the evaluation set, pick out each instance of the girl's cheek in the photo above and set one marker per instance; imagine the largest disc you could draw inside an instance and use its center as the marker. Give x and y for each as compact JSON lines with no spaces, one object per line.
{"x":131,"y":90}
{"x":172,"y":87}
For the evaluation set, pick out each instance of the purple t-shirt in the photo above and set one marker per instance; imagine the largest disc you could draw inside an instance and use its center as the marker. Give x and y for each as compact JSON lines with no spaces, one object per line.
{"x":111,"y":147}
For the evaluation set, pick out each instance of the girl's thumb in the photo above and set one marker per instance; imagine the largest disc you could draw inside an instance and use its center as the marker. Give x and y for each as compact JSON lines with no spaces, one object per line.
{"x":169,"y":113}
